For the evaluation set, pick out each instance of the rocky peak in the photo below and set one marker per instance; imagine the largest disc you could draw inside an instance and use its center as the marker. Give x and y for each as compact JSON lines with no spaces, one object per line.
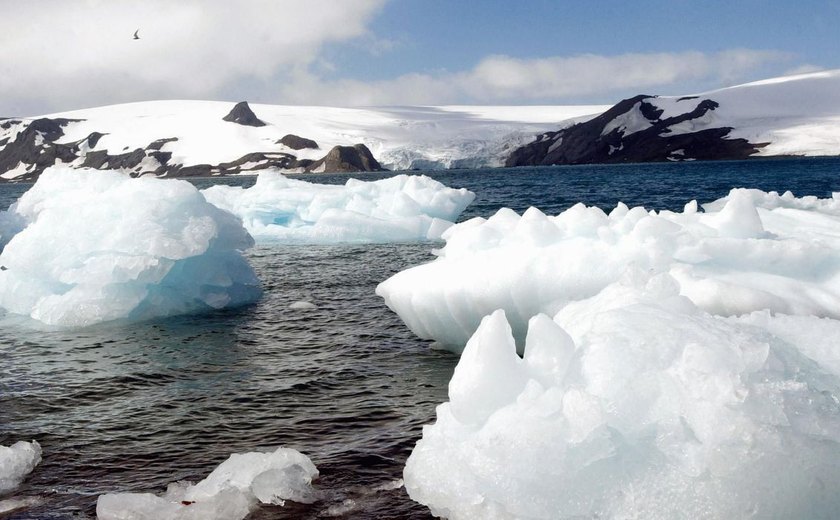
{"x":243,"y":115}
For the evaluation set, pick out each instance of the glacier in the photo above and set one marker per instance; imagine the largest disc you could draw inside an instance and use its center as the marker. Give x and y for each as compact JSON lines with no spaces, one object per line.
{"x":746,"y":252}
{"x":16,"y":462}
{"x":82,"y":247}
{"x":635,"y":403}
{"x":400,"y":208}
{"x":231,"y":491}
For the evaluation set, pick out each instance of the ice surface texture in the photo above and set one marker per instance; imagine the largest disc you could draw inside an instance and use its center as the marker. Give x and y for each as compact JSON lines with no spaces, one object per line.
{"x":749,"y":251}
{"x":17,"y":461}
{"x":100,"y":246}
{"x":397,"y":209}
{"x":230,"y":492}
{"x":635,"y":403}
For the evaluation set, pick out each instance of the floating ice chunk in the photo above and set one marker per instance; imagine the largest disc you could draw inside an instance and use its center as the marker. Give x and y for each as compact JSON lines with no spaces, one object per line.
{"x":635,"y":404}
{"x":399,"y":208}
{"x":16,"y":462}
{"x":230,"y":492}
{"x":101,"y":246}
{"x":747,"y":252}
{"x":303,"y":306}
{"x":10,"y":505}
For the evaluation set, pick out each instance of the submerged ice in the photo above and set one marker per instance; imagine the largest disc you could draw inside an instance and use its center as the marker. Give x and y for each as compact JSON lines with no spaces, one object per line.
{"x":230,"y":492}
{"x":747,"y":252}
{"x":16,"y":462}
{"x":635,"y":403}
{"x":397,"y":209}
{"x":83,"y":247}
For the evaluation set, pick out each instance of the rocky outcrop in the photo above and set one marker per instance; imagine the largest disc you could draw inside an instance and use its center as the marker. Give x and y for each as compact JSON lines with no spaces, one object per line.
{"x":634,"y":131}
{"x":297,"y":143}
{"x":28,"y":147}
{"x":243,"y":115}
{"x":356,"y":158}
{"x":33,"y":148}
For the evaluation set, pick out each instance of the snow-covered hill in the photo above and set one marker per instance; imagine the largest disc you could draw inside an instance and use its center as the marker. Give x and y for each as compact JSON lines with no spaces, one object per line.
{"x":193,"y":133}
{"x":792,"y":115}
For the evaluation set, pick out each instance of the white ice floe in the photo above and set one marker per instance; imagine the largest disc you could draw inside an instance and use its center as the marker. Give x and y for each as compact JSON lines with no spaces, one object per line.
{"x":230,"y":492}
{"x":95,"y":246}
{"x":635,"y":403}
{"x":16,"y":462}
{"x":747,"y":252}
{"x":399,"y":208}
{"x":303,"y":306}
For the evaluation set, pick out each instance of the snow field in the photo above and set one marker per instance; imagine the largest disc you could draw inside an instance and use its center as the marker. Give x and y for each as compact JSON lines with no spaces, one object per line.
{"x":399,"y":208}
{"x":400,"y":138}
{"x":231,"y":492}
{"x":16,"y":462}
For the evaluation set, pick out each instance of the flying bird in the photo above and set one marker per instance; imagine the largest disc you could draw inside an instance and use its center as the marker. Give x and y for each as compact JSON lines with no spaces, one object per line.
{"x":136,"y":37}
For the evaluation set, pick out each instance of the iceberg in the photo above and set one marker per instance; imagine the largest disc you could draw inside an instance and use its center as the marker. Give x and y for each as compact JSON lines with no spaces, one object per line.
{"x":402,"y":208}
{"x":16,"y":462}
{"x":88,"y":246}
{"x":230,"y":492}
{"x":747,"y":252}
{"x":635,"y":403}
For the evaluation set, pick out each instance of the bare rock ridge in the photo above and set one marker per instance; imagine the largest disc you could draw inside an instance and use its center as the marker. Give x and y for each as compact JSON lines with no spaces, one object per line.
{"x":28,"y":147}
{"x":243,"y":115}
{"x":633,"y":131}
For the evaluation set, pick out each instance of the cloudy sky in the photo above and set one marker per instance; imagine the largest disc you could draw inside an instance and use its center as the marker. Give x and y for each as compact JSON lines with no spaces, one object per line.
{"x":63,"y":54}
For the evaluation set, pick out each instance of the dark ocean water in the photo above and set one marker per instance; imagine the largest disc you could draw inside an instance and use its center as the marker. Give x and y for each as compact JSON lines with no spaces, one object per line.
{"x":134,"y":407}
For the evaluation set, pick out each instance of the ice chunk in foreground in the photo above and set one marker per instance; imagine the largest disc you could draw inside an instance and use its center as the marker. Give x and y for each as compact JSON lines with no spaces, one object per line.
{"x":16,"y":462}
{"x":101,"y":246}
{"x":635,"y":404}
{"x":747,"y":252}
{"x":397,"y":209}
{"x":230,"y":492}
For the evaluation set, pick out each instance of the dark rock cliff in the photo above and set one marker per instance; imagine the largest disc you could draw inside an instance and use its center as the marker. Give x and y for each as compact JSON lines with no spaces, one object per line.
{"x":633,"y":131}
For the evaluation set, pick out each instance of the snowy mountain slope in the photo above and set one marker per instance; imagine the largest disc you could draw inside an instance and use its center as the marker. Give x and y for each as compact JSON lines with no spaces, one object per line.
{"x":192,"y":133}
{"x":793,"y":115}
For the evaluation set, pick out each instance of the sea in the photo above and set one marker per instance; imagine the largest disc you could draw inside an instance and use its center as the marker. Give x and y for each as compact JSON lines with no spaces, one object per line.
{"x":133,"y":407}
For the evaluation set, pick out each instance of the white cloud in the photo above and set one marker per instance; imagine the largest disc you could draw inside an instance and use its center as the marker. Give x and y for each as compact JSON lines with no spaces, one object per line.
{"x":499,"y":79}
{"x":59,"y":55}
{"x":69,"y":54}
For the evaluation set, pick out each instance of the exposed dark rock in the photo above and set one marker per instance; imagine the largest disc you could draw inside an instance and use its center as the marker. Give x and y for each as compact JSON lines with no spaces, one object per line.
{"x":356,"y":158}
{"x":94,"y":138}
{"x":297,"y":143}
{"x":243,"y":115}
{"x":197,"y":170}
{"x":604,"y":139}
{"x":649,"y":111}
{"x":100,"y":159}
{"x":34,"y":147}
{"x":259,"y":161}
{"x":157,"y":145}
